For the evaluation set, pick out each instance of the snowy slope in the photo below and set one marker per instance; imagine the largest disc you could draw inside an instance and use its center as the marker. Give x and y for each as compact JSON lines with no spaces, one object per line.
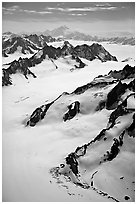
{"x":29,"y":153}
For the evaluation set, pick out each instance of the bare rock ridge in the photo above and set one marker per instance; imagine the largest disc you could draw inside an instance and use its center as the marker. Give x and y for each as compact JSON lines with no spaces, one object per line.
{"x":95,"y":51}
{"x":27,"y":44}
{"x":20,"y":66}
{"x":39,"y":40}
{"x":127,"y":72}
{"x":10,"y":46}
{"x":89,"y":52}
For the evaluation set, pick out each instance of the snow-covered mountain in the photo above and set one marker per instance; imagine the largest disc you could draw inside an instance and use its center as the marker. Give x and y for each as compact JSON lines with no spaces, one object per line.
{"x":17,"y":43}
{"x":25,"y":44}
{"x":95,"y":51}
{"x":30,"y":43}
{"x":111,"y":97}
{"x":68,"y":121}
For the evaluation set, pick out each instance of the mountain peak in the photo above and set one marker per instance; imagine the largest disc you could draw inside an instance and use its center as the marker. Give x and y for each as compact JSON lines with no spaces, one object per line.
{"x":64,"y":27}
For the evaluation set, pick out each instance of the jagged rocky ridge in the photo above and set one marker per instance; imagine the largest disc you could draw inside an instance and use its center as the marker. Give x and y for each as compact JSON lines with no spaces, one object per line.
{"x":17,"y":66}
{"x":39,"y":40}
{"x":84,"y":51}
{"x":15,"y":43}
{"x":110,"y":101}
{"x":26,"y":44}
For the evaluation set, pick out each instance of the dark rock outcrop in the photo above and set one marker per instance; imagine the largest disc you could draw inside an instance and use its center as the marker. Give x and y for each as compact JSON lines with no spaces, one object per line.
{"x":40,"y":40}
{"x":127,"y":197}
{"x":6,"y":80}
{"x":100,"y":52}
{"x":95,"y":51}
{"x":74,"y":108}
{"x":114,"y":95}
{"x":38,"y":114}
{"x":131,"y":128}
{"x":119,"y":111}
{"x":72,"y":162}
{"x":85,"y":51}
{"x":20,"y":66}
{"x":126,"y":73}
{"x":131,"y":85}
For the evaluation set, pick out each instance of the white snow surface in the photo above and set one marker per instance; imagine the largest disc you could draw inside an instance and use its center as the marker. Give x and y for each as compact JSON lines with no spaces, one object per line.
{"x":30,"y":152}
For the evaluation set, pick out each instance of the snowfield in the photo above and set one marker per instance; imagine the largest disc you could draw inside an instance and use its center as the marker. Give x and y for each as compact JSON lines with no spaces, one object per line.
{"x":29,"y":153}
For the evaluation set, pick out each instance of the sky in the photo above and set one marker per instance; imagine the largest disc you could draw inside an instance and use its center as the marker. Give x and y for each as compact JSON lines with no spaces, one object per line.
{"x":87,"y":17}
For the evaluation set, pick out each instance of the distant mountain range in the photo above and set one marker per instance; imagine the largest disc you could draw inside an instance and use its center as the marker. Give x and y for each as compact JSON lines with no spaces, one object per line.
{"x":30,"y":43}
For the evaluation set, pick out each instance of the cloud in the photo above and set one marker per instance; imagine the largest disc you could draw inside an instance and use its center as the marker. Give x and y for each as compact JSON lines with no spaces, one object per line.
{"x":36,"y":12}
{"x":98,"y":8}
{"x":78,"y":14}
{"x":12,"y":8}
{"x":44,"y":12}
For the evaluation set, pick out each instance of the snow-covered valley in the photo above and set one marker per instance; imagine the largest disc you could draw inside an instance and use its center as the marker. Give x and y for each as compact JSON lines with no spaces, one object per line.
{"x":32,"y":155}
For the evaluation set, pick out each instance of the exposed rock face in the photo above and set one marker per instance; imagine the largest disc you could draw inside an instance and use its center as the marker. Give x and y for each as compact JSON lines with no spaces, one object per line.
{"x":4,"y":54}
{"x":20,"y":66}
{"x":81,"y":64}
{"x":131,"y":85}
{"x":131,"y":128}
{"x":114,"y":95}
{"x":127,"y":72}
{"x":40,"y":40}
{"x":38,"y":114}
{"x":72,"y":162}
{"x":6,"y":80}
{"x":74,"y":108}
{"x":94,"y":83}
{"x":101,"y":53}
{"x":67,"y":49}
{"x":84,"y":51}
{"x":95,"y":51}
